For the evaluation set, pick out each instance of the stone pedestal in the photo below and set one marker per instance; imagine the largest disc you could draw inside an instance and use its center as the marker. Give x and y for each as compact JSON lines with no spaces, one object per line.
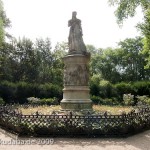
{"x":76,"y":76}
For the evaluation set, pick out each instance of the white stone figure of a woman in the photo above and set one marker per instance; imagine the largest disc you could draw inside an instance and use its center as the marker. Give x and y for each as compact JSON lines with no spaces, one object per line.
{"x":76,"y":44}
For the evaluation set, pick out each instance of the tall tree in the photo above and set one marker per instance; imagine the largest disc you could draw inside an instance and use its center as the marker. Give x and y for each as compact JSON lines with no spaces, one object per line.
{"x":104,"y":63}
{"x":24,"y":60}
{"x":131,"y":61}
{"x":4,"y":23}
{"x":1,"y":24}
{"x":59,"y":52}
{"x":145,"y":29}
{"x":4,"y":54}
{"x":125,"y":63}
{"x":127,"y":8}
{"x":45,"y":59}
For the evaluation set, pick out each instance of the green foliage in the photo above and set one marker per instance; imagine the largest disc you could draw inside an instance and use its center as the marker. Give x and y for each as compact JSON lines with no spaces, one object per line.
{"x":48,"y":90}
{"x":4,"y":23}
{"x":33,"y":100}
{"x":24,"y":90}
{"x":134,"y":88}
{"x":145,"y":29}
{"x":19,"y":92}
{"x":102,"y":91}
{"x":141,"y":88}
{"x":35,"y":69}
{"x":93,"y":50}
{"x":111,"y":101}
{"x":127,"y":8}
{"x":102,"y":88}
{"x":1,"y":25}
{"x":49,"y":101}
{"x":107,"y":90}
{"x":96,"y":99}
{"x":105,"y":64}
{"x":94,"y":84}
{"x":144,"y":99}
{"x":44,"y":59}
{"x":123,"y":88}
{"x":125,"y":63}
{"x":45,"y":101}
{"x":2,"y":101}
{"x":8,"y":91}
{"x":1,"y":33}
{"x":131,"y":62}
{"x":128,"y":99}
{"x":25,"y":61}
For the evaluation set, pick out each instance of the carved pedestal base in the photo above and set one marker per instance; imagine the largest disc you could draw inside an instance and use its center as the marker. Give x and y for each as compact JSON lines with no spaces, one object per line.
{"x":76,"y":97}
{"x":76,"y":76}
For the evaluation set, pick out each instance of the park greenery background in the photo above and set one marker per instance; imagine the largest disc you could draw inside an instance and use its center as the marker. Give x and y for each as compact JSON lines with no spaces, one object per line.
{"x":35,"y":69}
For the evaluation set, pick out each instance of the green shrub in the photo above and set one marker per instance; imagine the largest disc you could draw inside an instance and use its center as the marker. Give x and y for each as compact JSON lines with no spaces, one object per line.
{"x":141,"y":88}
{"x":8,"y":91}
{"x":144,"y":99}
{"x":128,"y":99}
{"x":49,"y":101}
{"x":2,"y":101}
{"x":105,"y":88}
{"x":123,"y":88}
{"x":19,"y":92}
{"x":110,"y":101}
{"x":102,"y":88}
{"x":94,"y":84}
{"x":33,"y":100}
{"x":99,"y":89}
{"x":45,"y":101}
{"x":24,"y":90}
{"x":48,"y":91}
{"x":104,"y":101}
{"x":96,"y":99}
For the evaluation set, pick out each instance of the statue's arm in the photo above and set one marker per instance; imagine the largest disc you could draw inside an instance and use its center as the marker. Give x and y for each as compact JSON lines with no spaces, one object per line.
{"x":80,"y":27}
{"x":69,"y":23}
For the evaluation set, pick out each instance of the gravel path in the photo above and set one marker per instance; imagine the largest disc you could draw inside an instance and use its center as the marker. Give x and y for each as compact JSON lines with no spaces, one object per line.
{"x":137,"y":142}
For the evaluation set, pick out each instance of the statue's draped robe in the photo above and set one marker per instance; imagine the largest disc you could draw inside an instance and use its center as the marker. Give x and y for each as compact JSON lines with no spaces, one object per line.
{"x":76,"y":43}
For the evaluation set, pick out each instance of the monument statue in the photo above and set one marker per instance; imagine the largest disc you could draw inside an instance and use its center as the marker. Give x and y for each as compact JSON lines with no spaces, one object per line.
{"x":76,"y":44}
{"x":76,"y":94}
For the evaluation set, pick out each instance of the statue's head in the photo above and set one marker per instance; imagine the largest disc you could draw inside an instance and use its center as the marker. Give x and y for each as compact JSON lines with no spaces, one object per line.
{"x":74,"y":13}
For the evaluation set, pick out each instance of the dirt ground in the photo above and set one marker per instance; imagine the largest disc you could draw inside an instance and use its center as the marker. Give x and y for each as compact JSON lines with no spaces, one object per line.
{"x":137,"y":142}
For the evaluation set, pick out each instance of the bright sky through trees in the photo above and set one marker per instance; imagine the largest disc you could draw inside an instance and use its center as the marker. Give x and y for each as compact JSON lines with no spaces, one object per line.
{"x":49,"y":18}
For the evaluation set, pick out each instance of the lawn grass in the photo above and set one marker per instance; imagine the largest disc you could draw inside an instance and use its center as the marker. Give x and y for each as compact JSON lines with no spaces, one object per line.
{"x":115,"y":110}
{"x":43,"y":109}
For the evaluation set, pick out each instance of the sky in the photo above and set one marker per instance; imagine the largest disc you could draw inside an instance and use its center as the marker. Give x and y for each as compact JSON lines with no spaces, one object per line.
{"x":49,"y":18}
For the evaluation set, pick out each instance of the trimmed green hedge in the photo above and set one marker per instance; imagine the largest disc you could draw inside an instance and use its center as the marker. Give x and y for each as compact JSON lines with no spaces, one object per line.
{"x":102,"y":92}
{"x":19,"y":92}
{"x":135,"y":88}
{"x":112,"y":94}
